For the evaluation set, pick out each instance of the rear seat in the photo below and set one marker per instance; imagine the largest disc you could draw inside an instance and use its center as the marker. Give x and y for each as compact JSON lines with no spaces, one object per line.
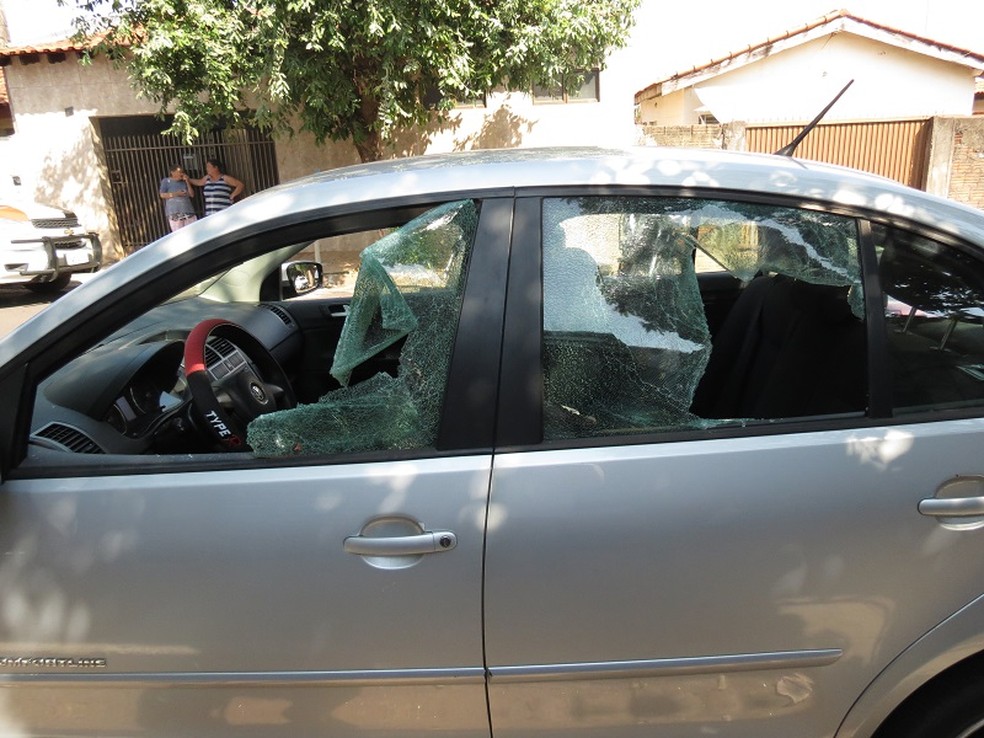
{"x":788,"y":348}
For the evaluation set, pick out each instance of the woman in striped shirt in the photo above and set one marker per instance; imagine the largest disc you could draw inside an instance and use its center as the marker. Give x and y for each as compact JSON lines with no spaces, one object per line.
{"x":219,"y":189}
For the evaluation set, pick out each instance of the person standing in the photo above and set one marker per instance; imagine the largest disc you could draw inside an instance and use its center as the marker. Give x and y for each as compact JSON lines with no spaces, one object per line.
{"x":176,"y":192}
{"x":219,"y":189}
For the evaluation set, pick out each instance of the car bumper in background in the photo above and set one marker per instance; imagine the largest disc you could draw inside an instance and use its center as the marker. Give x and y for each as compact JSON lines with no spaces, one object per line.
{"x":48,"y":256}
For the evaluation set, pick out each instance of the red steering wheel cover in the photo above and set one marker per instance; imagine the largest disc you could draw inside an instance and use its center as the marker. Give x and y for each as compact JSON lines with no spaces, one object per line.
{"x":194,"y":353}
{"x":221,"y":426}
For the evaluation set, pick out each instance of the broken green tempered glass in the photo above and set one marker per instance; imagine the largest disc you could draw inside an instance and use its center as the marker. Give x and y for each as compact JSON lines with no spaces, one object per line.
{"x":409,"y":286}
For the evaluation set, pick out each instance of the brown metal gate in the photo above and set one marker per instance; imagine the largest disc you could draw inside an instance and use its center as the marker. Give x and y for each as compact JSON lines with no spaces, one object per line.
{"x":139,"y":155}
{"x":897,"y":149}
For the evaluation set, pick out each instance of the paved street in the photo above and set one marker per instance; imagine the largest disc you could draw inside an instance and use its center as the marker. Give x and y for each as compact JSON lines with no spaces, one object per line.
{"x":17,"y":304}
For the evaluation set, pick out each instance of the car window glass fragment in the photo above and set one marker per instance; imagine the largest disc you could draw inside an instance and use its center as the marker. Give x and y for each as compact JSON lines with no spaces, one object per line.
{"x":408,"y":293}
{"x":628,"y":346}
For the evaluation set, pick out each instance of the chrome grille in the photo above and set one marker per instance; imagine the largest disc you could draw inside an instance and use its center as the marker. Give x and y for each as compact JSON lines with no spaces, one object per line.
{"x":69,"y":222}
{"x":68,"y":243}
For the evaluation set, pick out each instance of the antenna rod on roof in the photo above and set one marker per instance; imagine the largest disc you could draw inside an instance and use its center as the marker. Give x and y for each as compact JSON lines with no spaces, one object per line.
{"x":789,"y":148}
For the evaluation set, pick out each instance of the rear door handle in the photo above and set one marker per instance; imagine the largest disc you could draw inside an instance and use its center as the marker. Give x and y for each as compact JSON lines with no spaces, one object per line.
{"x":432,"y":541}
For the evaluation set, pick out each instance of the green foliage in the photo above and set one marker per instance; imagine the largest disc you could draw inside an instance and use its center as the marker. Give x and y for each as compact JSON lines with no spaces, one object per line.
{"x":363,"y":70}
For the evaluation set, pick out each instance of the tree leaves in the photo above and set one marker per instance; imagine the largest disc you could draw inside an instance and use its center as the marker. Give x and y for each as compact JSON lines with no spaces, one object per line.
{"x":363,"y":71}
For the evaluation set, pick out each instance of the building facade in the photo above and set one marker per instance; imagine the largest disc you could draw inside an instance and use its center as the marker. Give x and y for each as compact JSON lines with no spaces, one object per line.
{"x":791,"y":77}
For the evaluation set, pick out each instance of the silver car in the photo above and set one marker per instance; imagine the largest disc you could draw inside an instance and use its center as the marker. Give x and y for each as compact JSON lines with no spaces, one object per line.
{"x":645,"y":443}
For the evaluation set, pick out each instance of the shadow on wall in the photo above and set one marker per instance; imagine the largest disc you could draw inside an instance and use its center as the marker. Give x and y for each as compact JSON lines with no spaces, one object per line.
{"x":415,"y":141}
{"x":500,"y":130}
{"x":298,"y":155}
{"x":72,"y":176}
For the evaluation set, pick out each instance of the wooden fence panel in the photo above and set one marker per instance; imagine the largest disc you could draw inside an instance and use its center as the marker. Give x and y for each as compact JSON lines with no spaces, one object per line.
{"x":897,"y":149}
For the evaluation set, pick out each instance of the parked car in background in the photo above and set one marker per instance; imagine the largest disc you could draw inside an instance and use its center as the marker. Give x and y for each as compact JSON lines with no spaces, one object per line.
{"x":41,"y":246}
{"x":657,"y":443}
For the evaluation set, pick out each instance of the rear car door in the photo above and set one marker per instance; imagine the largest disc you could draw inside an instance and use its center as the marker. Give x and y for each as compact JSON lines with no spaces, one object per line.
{"x":333,"y":593}
{"x":694,"y":534}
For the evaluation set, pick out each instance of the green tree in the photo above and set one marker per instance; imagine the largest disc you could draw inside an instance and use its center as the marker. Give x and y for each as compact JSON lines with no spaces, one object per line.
{"x":363,"y":70}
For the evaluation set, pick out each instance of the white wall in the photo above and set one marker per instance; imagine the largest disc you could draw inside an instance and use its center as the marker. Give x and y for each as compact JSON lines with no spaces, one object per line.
{"x":54,"y":151}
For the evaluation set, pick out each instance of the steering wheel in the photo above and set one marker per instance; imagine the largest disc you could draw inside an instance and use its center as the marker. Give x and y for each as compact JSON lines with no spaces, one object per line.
{"x":249,"y":388}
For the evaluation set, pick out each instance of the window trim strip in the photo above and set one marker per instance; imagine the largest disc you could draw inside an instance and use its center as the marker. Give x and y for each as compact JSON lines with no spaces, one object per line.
{"x":647,"y":668}
{"x":879,"y":367}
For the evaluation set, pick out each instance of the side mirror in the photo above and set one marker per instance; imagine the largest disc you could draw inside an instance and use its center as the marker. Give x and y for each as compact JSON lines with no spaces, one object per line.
{"x":299,"y":278}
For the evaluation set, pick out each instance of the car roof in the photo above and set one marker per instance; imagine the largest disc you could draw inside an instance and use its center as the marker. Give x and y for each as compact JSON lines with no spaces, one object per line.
{"x":704,"y":169}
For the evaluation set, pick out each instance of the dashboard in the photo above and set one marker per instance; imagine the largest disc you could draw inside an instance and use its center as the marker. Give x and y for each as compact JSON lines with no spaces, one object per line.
{"x":129,"y":394}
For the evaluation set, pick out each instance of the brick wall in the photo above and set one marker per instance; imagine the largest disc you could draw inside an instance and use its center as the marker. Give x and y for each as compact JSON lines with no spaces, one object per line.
{"x":692,"y":137}
{"x":967,"y":162}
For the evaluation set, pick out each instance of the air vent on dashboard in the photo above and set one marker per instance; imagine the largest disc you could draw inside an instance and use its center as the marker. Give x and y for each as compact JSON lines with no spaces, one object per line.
{"x":65,"y":437}
{"x":279,"y":312}
{"x":217,"y":349}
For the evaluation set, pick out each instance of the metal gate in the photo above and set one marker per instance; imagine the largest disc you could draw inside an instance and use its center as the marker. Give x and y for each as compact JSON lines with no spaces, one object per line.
{"x":898,"y":149}
{"x":139,"y":155}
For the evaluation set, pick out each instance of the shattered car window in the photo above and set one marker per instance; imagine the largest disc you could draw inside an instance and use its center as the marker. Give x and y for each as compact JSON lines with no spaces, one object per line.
{"x":626,"y":337}
{"x":748,"y":240}
{"x":408,"y":290}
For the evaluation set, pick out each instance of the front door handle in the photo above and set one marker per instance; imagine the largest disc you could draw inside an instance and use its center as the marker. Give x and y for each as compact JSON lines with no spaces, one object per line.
{"x":952,"y":508}
{"x":431,"y":541}
{"x":958,"y":502}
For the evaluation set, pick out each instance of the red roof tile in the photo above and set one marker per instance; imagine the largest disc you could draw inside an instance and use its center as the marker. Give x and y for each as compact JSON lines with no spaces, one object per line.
{"x":49,"y":47}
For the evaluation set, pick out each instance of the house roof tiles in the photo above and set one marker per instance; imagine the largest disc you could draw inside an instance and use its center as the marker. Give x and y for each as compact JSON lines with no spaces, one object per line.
{"x":59,"y":46}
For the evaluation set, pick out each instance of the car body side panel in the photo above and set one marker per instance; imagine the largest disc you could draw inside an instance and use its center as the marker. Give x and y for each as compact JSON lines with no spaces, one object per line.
{"x":957,"y":638}
{"x":209,"y":602}
{"x":740,"y":587}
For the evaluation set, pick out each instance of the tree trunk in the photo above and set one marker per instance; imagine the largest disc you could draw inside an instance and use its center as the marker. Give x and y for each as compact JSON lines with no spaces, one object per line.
{"x":369,"y":146}
{"x":366,"y":138}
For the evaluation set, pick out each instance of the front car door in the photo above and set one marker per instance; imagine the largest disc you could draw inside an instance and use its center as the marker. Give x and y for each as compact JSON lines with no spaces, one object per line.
{"x":290,"y":591}
{"x":721,"y":533}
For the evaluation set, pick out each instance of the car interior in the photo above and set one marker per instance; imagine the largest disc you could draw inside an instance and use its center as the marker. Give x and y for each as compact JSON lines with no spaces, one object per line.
{"x":708,"y":315}
{"x":360,"y":373}
{"x":935,"y":322}
{"x":787,"y":349}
